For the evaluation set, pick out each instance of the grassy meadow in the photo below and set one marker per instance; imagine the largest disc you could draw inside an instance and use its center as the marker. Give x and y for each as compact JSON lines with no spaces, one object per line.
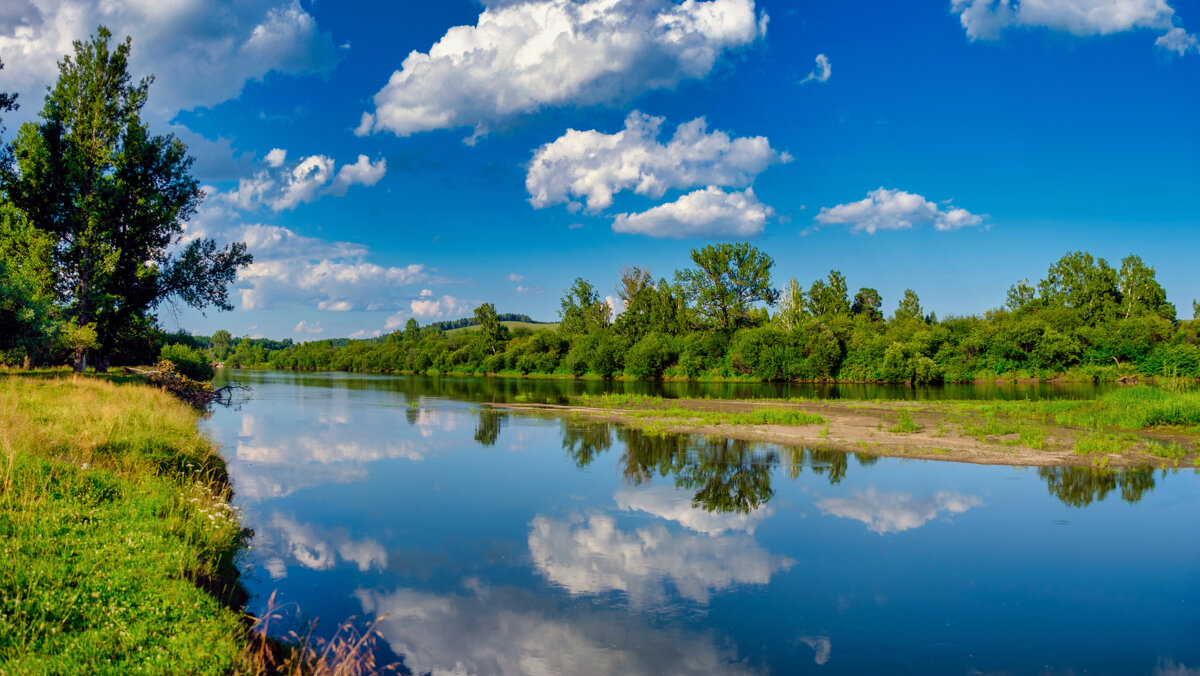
{"x":117,"y":541}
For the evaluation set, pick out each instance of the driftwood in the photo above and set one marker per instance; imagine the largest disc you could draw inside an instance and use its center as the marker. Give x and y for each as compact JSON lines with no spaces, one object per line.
{"x":197,"y":393}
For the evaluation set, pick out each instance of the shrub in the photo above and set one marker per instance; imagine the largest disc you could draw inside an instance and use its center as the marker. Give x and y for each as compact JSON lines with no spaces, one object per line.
{"x":189,"y":361}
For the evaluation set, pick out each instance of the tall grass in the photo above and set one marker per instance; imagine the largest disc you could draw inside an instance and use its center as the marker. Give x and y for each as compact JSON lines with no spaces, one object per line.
{"x":117,"y":541}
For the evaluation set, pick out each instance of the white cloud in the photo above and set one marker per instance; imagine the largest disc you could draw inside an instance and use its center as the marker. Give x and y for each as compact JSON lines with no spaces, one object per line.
{"x":515,"y":278}
{"x":822,"y":72}
{"x":709,"y":212}
{"x":986,"y":19}
{"x":1179,"y":41}
{"x":821,"y":645}
{"x":201,"y":53}
{"x":896,"y":512}
{"x":675,"y":505}
{"x":885,"y":209}
{"x":505,"y":632}
{"x":593,"y":556}
{"x":276,"y":158}
{"x":1168,"y":667}
{"x":441,"y":308}
{"x":595,"y":165}
{"x":282,"y":188}
{"x":524,"y":55}
{"x":304,"y":326}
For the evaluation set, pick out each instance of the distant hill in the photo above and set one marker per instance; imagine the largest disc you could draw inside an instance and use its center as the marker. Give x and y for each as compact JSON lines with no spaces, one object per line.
{"x":532,"y":326}
{"x":506,"y":319}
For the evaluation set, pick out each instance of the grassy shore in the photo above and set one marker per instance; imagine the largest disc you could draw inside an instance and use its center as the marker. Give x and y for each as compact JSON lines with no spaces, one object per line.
{"x":117,"y":540}
{"x":1134,"y":426}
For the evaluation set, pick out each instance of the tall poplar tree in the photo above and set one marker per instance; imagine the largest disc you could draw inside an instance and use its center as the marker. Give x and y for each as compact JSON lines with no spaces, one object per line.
{"x":114,"y":198}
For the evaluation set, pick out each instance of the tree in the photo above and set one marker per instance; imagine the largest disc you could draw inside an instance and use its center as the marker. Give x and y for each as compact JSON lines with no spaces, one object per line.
{"x":829,"y":298}
{"x":221,"y":340}
{"x":1141,"y":294}
{"x":867,"y":303}
{"x":791,"y":306}
{"x":633,"y":281}
{"x":910,"y":307}
{"x":114,"y":199}
{"x":1020,"y":296}
{"x":491,"y":331}
{"x":1084,"y":284}
{"x":582,"y":309}
{"x":727,"y":281}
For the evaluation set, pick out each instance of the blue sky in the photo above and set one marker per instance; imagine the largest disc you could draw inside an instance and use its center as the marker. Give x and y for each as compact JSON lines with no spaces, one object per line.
{"x":391,"y":160}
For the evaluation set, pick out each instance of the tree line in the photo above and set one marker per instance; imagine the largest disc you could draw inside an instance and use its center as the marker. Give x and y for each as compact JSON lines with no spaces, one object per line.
{"x":92,"y":214}
{"x":723,"y":318}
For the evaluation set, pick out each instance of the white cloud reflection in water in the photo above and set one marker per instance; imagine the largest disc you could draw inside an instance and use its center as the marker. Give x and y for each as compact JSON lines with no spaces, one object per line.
{"x":286,"y":539}
{"x":506,"y":631}
{"x":896,"y":512}
{"x":674,"y":504}
{"x":592,"y":555}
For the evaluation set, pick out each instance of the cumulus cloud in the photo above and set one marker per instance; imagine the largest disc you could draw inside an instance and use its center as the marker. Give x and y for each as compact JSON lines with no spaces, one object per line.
{"x":593,"y":556}
{"x":506,"y":631}
{"x":595,"y":165}
{"x":675,"y":505}
{"x":986,"y":19}
{"x":304,"y":326}
{"x":521,"y":56}
{"x":1168,"y":667}
{"x":1178,"y":41}
{"x":282,"y":188}
{"x":896,"y":512}
{"x":290,"y":269}
{"x":228,"y":43}
{"x":709,"y":212}
{"x":427,"y":308}
{"x":821,"y":73}
{"x":821,"y":645}
{"x":885,"y":209}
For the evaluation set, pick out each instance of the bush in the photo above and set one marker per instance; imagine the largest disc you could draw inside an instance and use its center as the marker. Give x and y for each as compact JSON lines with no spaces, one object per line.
{"x":190,"y":362}
{"x":649,"y":357}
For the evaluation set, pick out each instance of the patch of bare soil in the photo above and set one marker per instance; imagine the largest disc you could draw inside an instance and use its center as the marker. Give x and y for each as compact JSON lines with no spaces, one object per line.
{"x":867,"y":427}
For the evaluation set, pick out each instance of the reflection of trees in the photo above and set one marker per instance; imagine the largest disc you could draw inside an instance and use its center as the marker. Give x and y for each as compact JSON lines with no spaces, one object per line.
{"x":585,"y":441}
{"x":487,"y":430}
{"x":1080,"y":486}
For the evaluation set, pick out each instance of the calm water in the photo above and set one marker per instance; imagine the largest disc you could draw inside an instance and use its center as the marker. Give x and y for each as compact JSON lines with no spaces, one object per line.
{"x":498,"y":544}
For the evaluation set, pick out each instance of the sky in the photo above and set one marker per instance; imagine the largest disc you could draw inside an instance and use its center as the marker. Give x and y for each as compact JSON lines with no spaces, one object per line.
{"x":388,"y":160}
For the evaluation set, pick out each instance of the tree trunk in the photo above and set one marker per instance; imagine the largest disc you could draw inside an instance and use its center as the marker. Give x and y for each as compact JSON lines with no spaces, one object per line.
{"x":28,"y":362}
{"x":80,"y":360}
{"x":102,"y":364}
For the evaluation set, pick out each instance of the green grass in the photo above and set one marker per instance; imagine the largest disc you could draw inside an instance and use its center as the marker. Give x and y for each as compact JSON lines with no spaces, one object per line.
{"x":1132,"y":409}
{"x":905,"y":424}
{"x":644,"y":406}
{"x":117,"y":542}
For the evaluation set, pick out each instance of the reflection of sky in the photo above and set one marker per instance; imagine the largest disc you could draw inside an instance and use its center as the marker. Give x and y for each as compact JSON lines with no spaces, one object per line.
{"x":676,"y":505}
{"x":592,"y":555}
{"x":507,"y":631}
{"x":360,"y":501}
{"x":895,"y":512}
{"x":285,"y":540}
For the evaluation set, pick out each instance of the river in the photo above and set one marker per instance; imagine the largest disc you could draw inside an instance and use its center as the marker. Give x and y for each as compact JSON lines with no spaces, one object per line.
{"x":500,"y":544}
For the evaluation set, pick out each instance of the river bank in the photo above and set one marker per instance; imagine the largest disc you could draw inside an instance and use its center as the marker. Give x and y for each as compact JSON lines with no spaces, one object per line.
{"x":1140,"y":426}
{"x":118,"y":540}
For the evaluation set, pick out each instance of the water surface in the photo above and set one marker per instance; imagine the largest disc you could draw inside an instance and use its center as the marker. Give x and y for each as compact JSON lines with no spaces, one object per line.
{"x":499,"y":544}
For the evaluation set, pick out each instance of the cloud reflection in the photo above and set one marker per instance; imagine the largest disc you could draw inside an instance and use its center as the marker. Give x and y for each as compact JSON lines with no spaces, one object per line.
{"x":314,"y":547}
{"x":676,"y":505}
{"x":592,"y":555}
{"x":821,"y":645}
{"x":508,"y":631}
{"x":896,"y":512}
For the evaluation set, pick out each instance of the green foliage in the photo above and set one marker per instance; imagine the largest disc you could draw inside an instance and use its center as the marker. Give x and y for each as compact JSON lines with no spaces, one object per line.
{"x":829,"y":298}
{"x":905,"y":424}
{"x":114,"y":520}
{"x":649,"y":357}
{"x":112,"y":198}
{"x":583,"y":310}
{"x":727,"y":281}
{"x":189,"y":361}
